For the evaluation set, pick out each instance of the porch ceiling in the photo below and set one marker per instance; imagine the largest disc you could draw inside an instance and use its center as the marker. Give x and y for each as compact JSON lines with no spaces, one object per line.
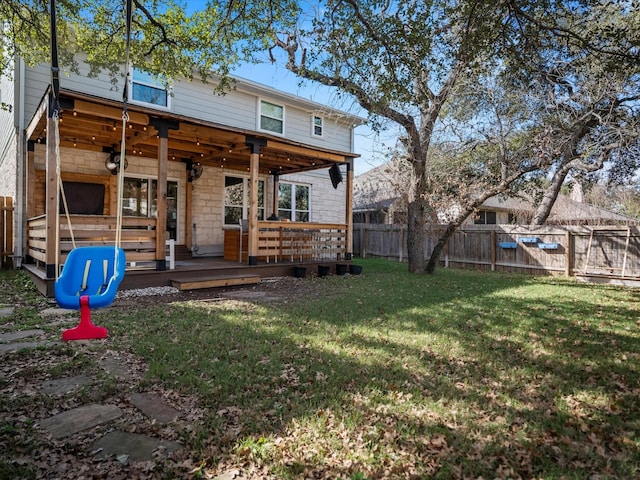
{"x":96,"y":125}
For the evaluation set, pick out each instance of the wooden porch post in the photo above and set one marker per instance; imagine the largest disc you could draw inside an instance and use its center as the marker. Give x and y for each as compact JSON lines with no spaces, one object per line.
{"x":30,"y":182}
{"x":276,"y":192}
{"x":52,"y":203}
{"x":254,"y":144}
{"x":349,"y":210}
{"x":163,"y":127}
{"x":188,"y":227}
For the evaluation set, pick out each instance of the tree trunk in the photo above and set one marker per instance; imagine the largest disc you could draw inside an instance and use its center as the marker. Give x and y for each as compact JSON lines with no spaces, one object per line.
{"x":550,"y":195}
{"x":416,"y":233}
{"x":439,"y":246}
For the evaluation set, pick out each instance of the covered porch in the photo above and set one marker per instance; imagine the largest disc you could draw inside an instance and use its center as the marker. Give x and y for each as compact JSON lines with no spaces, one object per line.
{"x":165,"y":141}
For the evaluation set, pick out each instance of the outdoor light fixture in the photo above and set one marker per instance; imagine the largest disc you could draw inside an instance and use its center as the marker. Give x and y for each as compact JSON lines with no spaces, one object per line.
{"x":196,"y":171}
{"x":112,"y":162}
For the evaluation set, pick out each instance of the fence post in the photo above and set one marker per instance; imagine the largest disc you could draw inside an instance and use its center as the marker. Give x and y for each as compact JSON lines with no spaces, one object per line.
{"x":6,"y":231}
{"x":2,"y":233}
{"x":363,"y":241}
{"x":569,"y":259}
{"x":492,"y":239}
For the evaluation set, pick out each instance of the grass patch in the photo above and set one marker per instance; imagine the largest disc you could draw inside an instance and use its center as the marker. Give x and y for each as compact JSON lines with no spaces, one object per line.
{"x":388,"y":374}
{"x":392,"y":375}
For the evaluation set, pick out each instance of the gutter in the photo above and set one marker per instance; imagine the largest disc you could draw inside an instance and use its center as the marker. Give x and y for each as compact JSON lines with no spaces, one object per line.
{"x":18,"y":252}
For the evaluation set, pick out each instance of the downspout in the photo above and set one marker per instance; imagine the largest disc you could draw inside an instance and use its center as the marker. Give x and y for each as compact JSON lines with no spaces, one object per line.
{"x":20,"y":209}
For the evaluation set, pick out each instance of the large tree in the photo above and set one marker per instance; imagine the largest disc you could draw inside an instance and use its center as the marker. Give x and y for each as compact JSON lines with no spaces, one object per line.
{"x":168,"y":37}
{"x":403,"y":61}
{"x":585,"y":94}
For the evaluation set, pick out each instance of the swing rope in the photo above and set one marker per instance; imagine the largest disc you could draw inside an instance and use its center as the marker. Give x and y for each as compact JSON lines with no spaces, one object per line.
{"x":55,"y":115}
{"x":56,"y":134}
{"x":125,"y":119}
{"x":123,"y":141}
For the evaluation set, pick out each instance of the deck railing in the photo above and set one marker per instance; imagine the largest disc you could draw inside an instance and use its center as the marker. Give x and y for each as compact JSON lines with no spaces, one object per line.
{"x":295,"y":242}
{"x":138,"y":236}
{"x":277,"y":241}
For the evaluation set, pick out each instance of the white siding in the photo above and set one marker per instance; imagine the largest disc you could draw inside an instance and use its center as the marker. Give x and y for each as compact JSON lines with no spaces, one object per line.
{"x":8,"y":140}
{"x":238,"y":108}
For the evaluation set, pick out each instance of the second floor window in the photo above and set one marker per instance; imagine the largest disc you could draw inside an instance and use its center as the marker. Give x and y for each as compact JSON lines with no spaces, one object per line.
{"x":147,"y":88}
{"x":317,"y":128}
{"x":271,"y":117}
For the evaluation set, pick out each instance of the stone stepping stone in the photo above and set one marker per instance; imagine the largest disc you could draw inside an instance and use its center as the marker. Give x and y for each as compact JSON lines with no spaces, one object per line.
{"x":15,"y":346}
{"x":19,"y":335}
{"x":154,"y":407}
{"x":78,"y":419}
{"x":134,"y":447}
{"x":115,"y":367}
{"x":61,"y":386}
{"x":6,"y":311}
{"x":57,"y":312}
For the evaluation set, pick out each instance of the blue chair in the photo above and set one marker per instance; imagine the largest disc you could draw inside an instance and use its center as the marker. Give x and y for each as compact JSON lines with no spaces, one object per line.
{"x":89,"y":279}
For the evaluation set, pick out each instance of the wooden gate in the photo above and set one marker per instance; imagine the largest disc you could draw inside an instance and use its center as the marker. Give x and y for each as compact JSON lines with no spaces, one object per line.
{"x":6,"y":232}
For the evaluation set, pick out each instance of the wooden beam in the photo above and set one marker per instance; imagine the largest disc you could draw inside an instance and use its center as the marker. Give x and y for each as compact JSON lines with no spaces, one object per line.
{"x":215,"y":282}
{"x":96,"y":109}
{"x":276,"y":194}
{"x":307,"y":152}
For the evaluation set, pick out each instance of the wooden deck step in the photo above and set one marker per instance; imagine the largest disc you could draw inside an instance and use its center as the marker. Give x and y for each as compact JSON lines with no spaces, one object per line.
{"x":214,"y":282}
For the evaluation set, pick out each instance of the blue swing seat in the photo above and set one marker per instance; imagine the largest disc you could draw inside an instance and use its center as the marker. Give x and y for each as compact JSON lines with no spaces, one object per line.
{"x":89,"y":272}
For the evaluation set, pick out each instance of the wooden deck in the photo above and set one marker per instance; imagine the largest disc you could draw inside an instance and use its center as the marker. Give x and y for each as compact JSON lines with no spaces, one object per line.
{"x":201,"y":272}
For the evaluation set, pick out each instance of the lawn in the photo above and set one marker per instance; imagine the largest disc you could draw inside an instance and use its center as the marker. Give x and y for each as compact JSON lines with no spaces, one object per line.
{"x":390,"y":375}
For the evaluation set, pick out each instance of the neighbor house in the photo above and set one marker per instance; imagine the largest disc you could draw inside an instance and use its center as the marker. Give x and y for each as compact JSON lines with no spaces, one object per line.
{"x":191,"y":157}
{"x":378,"y":198}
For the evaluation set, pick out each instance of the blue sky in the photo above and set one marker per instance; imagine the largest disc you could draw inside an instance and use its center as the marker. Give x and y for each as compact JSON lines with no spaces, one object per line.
{"x":369,"y":145}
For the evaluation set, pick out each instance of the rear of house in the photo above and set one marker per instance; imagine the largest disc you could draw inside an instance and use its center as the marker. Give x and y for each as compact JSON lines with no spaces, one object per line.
{"x":191,"y":159}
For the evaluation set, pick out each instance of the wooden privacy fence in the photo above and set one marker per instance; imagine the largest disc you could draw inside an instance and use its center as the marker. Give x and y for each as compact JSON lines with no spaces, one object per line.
{"x":6,"y":231}
{"x":569,"y":250}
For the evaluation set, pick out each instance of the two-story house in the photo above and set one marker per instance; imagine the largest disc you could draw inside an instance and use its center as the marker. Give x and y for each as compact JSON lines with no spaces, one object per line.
{"x":191,"y":159}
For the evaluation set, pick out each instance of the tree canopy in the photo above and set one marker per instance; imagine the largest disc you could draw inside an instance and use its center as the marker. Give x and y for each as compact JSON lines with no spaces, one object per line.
{"x":410,"y":62}
{"x":168,"y":37}
{"x":507,"y":89}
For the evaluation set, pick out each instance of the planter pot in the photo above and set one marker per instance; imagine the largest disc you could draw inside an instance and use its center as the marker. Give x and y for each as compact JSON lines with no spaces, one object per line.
{"x":341,"y":268}
{"x":323,"y":270}
{"x":299,"y":272}
{"x":355,"y":269}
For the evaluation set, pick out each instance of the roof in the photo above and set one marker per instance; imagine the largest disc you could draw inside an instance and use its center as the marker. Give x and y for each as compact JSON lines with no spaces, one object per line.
{"x":93,"y":123}
{"x":379,"y":188}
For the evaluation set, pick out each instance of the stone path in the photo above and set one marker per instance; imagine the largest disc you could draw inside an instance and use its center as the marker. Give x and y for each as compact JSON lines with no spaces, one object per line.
{"x":108,"y":421}
{"x":123,"y":446}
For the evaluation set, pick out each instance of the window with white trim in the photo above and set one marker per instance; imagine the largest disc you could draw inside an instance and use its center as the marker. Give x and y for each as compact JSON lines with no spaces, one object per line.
{"x":294,"y":202}
{"x":317,"y":126}
{"x":150,"y":89}
{"x":271,"y":117}
{"x":237,"y":192}
{"x":140,"y":199}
